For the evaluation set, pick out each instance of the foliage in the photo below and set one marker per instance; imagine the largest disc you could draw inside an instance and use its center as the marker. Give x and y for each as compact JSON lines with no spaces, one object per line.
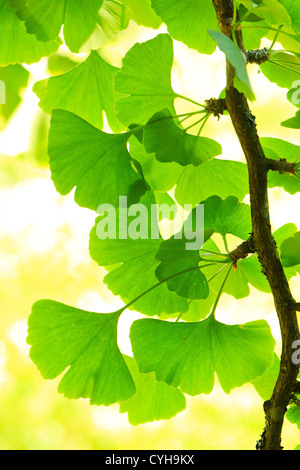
{"x":116,"y":132}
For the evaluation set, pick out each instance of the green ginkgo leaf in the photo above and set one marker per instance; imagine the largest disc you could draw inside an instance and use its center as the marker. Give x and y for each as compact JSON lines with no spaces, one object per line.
{"x":175,"y":258}
{"x":45,"y":18}
{"x":132,"y":257}
{"x":170,"y":143}
{"x":97,"y":163}
{"x":292,"y":123}
{"x":281,"y":149}
{"x":142,"y":13}
{"x":186,"y":355}
{"x":282,"y":69}
{"x":237,"y":60}
{"x":17,"y":45}
{"x":274,"y":12}
{"x":290,"y":251}
{"x":145,"y":77}
{"x":153,"y":400}
{"x":221,"y":177}
{"x":16,"y":77}
{"x":188,"y":23}
{"x":85,"y":341}
{"x":86,"y":90}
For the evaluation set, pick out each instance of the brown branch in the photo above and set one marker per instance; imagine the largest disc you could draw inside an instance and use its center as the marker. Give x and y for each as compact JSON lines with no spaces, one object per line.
{"x":243,"y":250}
{"x":257,"y":163}
{"x":258,"y":56}
{"x":281,"y":165}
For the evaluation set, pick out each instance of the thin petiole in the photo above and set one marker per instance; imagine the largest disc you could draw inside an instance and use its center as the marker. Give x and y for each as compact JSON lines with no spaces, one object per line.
{"x":194,"y":124}
{"x":218,"y":272}
{"x":270,"y":28}
{"x":212,"y":313}
{"x":213,"y":252}
{"x":282,"y":66}
{"x":194,"y":268}
{"x":202,"y":126}
{"x":275,"y":38}
{"x":182,"y":97}
{"x":166,"y":118}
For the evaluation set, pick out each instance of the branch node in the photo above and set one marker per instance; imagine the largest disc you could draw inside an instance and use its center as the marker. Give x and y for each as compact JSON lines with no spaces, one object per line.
{"x":216,"y":106}
{"x":258,"y":56}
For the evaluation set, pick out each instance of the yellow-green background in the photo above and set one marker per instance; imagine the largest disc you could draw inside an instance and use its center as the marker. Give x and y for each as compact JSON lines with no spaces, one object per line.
{"x":44,"y":254}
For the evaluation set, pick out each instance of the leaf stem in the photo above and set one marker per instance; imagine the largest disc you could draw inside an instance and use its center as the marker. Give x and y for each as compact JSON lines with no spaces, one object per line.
{"x":182,"y":97}
{"x":212,"y":313}
{"x":282,"y":66}
{"x":275,"y":38}
{"x":270,"y":28}
{"x":166,"y":118}
{"x":194,"y":268}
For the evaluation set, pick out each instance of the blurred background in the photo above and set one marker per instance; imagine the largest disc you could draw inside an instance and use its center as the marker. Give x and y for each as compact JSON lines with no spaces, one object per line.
{"x":44,"y":254}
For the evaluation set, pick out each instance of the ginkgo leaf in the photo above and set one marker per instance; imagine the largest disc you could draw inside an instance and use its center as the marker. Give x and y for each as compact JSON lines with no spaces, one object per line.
{"x":221,"y":177}
{"x":186,"y":355}
{"x":276,"y":149}
{"x":194,"y":184}
{"x":133,"y":257}
{"x":97,"y":163}
{"x":86,"y":90}
{"x":145,"y":77}
{"x":45,"y":18}
{"x":113,"y":17}
{"x":227,"y":216}
{"x":17,"y":45}
{"x":142,"y":13}
{"x":153,"y":400}
{"x":188,"y":23}
{"x":175,"y":258}
{"x":274,"y":12}
{"x":293,"y":10}
{"x":292,"y":123}
{"x":283,"y":69}
{"x":85,"y":341}
{"x":290,"y":251}
{"x":264,"y":385}
{"x":16,"y":77}
{"x":170,"y":143}
{"x":236,"y":58}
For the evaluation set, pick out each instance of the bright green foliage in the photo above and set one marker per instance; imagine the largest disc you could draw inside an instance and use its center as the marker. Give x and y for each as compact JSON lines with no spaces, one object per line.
{"x":274,"y":12}
{"x":153,"y":400}
{"x":70,"y":139}
{"x":186,"y":355}
{"x":86,"y":90}
{"x":17,"y":78}
{"x":276,"y":149}
{"x":146,"y":77}
{"x":152,"y":154}
{"x":175,"y":258}
{"x":17,"y":45}
{"x":85,"y":341}
{"x":170,"y":142}
{"x":236,"y":58}
{"x":132,"y":257}
{"x":283,"y":70}
{"x":45,"y":18}
{"x":292,"y":123}
{"x":142,"y":13}
{"x":188,"y":23}
{"x":212,"y":178}
{"x":290,"y":251}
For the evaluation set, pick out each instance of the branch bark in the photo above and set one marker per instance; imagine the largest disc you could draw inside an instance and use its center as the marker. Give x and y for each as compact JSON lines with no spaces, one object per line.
{"x":246,"y":130}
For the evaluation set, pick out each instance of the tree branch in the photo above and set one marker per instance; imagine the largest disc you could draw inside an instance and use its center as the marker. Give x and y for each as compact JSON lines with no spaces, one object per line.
{"x":243,"y":250}
{"x":257,"y":163}
{"x":281,"y":165}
